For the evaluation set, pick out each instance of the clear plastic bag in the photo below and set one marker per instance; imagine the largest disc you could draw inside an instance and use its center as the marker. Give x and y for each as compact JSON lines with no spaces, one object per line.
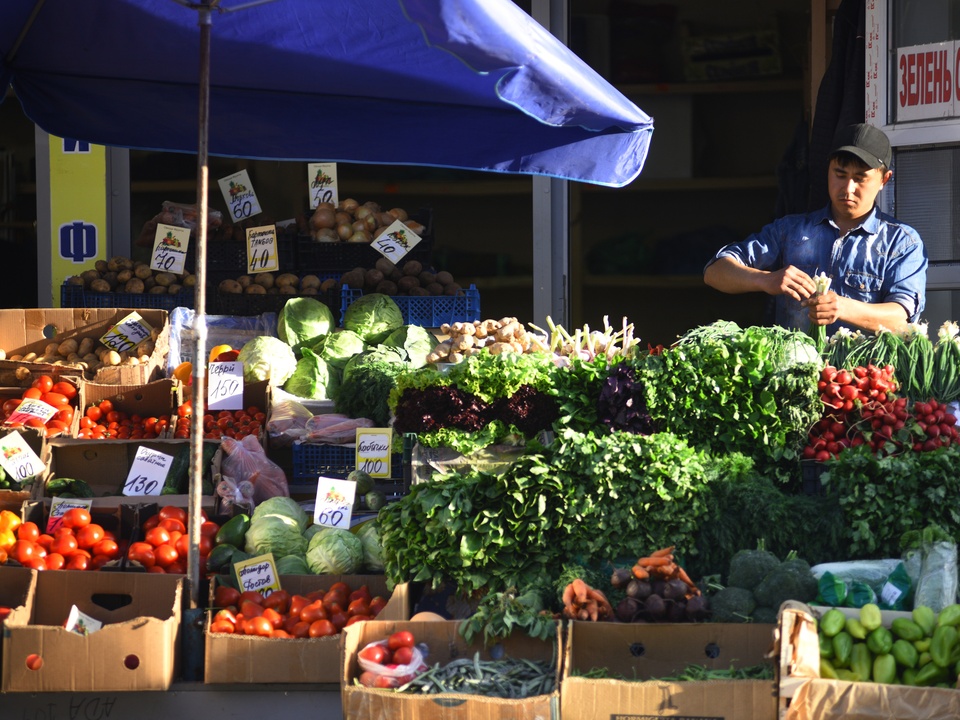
{"x":399,"y":674}
{"x":247,"y":466}
{"x":287,"y":422}
{"x":230,"y":330}
{"x":177,"y":215}
{"x":334,"y":429}
{"x":936,"y":586}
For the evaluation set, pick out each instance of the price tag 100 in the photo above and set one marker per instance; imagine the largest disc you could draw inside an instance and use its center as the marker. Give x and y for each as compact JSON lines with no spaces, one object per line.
{"x":170,"y":249}
{"x":225,"y":385}
{"x":127,"y":334}
{"x":373,"y":451}
{"x":262,"y":249}
{"x":18,"y":458}
{"x":239,"y":195}
{"x":322,"y":179}
{"x":59,"y":507}
{"x":334,"y":505}
{"x":147,"y":473}
{"x":258,"y":574}
{"x":396,"y":241}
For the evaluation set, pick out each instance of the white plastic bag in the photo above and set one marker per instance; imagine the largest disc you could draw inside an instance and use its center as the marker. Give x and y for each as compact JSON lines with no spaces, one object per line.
{"x":397,"y":675}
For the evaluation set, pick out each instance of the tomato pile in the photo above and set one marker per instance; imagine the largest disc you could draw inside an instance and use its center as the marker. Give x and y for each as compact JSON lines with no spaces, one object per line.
{"x":280,"y":614}
{"x":165,"y":544}
{"x":60,"y":394}
{"x":226,"y":423}
{"x":78,"y":544}
{"x":101,"y":421}
{"x":394,"y":652}
{"x":862,"y":408}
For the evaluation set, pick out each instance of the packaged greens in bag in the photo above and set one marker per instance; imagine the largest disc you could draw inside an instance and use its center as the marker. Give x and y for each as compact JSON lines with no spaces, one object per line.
{"x":860,"y":594}
{"x":832,"y":590}
{"x":896,"y":590}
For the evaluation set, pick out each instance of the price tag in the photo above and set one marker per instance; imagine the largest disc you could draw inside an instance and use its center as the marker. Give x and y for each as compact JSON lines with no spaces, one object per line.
{"x":30,"y":409}
{"x":80,"y":623}
{"x":396,"y":241}
{"x":334,"y":504}
{"x":18,"y":459}
{"x":127,"y":334}
{"x":239,"y":195}
{"x":147,"y":473}
{"x":170,"y":249}
{"x":373,"y":451}
{"x":262,"y":249}
{"x":258,"y":574}
{"x":59,"y":507}
{"x":225,"y":386}
{"x":322,"y":179}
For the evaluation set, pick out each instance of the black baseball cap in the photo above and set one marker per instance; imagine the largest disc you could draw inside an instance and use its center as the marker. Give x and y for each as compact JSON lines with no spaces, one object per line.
{"x":868,"y":143}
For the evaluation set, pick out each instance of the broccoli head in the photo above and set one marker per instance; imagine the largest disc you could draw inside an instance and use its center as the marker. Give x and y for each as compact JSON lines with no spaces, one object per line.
{"x":790,"y":580}
{"x":766,"y":615}
{"x":732,"y":605}
{"x":749,"y":567}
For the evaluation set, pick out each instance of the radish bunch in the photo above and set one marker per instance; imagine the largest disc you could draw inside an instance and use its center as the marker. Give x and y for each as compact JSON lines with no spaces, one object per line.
{"x":862,"y":408}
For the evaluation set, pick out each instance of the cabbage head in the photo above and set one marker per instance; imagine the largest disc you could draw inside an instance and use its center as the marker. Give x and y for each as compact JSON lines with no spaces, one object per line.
{"x":284,"y":506}
{"x":415,"y":341}
{"x":267,"y":358}
{"x":303,"y":320}
{"x":338,"y":347}
{"x":277,"y":534}
{"x":314,"y":378}
{"x":313,"y":530}
{"x":373,"y":317}
{"x":292,"y":565}
{"x":369,"y":534}
{"x":335,"y":552}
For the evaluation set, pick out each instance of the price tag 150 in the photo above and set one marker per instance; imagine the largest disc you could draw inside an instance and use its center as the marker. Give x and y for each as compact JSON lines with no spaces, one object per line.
{"x":334,"y":505}
{"x":17,"y":457}
{"x":170,"y":249}
{"x":239,"y":195}
{"x":322,"y":181}
{"x":147,"y":472}
{"x":127,"y":334}
{"x":373,"y":451}
{"x":262,"y":249}
{"x":225,"y":385}
{"x":396,"y":241}
{"x":258,"y":574}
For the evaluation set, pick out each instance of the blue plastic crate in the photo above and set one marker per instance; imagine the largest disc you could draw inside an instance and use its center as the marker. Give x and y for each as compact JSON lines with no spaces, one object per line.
{"x":75,"y":296}
{"x":426,"y":311}
{"x":311,"y":460}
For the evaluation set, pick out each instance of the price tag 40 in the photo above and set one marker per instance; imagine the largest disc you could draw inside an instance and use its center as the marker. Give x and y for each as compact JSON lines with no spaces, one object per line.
{"x":396,"y":241}
{"x":334,"y":505}
{"x":262,"y":249}
{"x":147,"y":473}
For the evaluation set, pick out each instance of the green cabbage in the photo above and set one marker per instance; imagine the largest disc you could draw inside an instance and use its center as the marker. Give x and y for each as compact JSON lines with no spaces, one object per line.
{"x":338,"y":347}
{"x":369,"y":534}
{"x":311,"y":531}
{"x":292,"y":565}
{"x":277,"y":534}
{"x":267,"y":358}
{"x":304,"y":319}
{"x":284,"y":506}
{"x":416,"y":343}
{"x":373,"y":317}
{"x":314,"y":378}
{"x":335,"y":552}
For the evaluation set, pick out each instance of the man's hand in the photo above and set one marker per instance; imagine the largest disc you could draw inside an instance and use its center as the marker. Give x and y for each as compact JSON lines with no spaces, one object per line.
{"x":824,"y":309}
{"x":790,"y":281}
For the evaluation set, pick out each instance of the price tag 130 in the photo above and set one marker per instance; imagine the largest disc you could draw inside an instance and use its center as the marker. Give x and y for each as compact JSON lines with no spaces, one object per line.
{"x":59,"y":507}
{"x":17,"y":458}
{"x":239,"y":195}
{"x":170,"y":249}
{"x":334,"y":504}
{"x":373,"y":451}
{"x":258,"y":574}
{"x":322,"y":179}
{"x":127,"y":334}
{"x":396,"y":241}
{"x":147,"y":473}
{"x":225,"y":386}
{"x":262,"y":249}
{"x":30,"y":409}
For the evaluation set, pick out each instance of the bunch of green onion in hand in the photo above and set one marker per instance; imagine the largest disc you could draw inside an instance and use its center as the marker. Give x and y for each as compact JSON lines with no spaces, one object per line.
{"x":817,"y":331}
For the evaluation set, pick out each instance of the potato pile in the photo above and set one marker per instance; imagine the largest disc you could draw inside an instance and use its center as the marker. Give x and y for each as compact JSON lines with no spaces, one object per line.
{"x":349,"y":221}
{"x":268,"y":283}
{"x":409,"y":278}
{"x":497,"y":336}
{"x":85,"y":354}
{"x":123,"y":275}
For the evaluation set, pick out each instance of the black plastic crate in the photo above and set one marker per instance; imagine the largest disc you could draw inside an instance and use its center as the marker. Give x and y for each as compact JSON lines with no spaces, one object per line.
{"x":75,"y":296}
{"x":229,"y":257}
{"x":244,"y":304}
{"x":312,"y":460}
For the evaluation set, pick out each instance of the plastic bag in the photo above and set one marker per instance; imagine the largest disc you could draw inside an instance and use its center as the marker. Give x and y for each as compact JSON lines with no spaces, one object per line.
{"x":230,"y":330}
{"x":178,"y":215}
{"x":255,"y":475}
{"x":334,"y":428}
{"x":399,"y":674}
{"x":930,"y":559}
{"x":870,"y":572}
{"x":287,"y":423}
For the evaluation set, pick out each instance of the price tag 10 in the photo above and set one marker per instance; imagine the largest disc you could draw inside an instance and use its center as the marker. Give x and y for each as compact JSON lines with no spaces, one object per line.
{"x":334,"y":505}
{"x":258,"y":574}
{"x":322,"y":181}
{"x":127,"y":334}
{"x":170,"y":249}
{"x":396,"y":241}
{"x":59,"y":507}
{"x":147,"y":473}
{"x":17,"y":458}
{"x":262,"y":249}
{"x":225,"y":385}
{"x":239,"y":195}
{"x":373,"y":451}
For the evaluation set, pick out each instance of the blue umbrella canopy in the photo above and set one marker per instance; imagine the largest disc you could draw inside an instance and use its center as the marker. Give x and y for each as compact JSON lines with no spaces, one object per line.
{"x":472,"y":84}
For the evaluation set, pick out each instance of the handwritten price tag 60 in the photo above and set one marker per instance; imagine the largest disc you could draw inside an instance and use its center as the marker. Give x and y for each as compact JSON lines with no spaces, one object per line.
{"x":334,"y":505}
{"x":239,"y":195}
{"x":147,"y":473}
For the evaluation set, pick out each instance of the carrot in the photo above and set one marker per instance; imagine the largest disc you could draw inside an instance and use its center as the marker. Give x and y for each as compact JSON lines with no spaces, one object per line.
{"x":579,"y":590}
{"x":649,"y":562}
{"x":682,"y":574}
{"x":663,"y":551}
{"x":640,"y":573}
{"x":568,"y":595}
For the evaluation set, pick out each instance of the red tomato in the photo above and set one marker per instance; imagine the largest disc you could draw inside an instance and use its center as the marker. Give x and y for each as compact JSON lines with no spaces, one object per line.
{"x":64,"y":543}
{"x":301,"y":629}
{"x":107,"y":547}
{"x":65,"y":388}
{"x":89,"y":535}
{"x":377,"y":604}
{"x":360,"y":606}
{"x":249,"y":609}
{"x":54,"y":561}
{"x":166,"y":555}
{"x":173,"y":525}
{"x":258,"y":626}
{"x":32,"y":393}
{"x":157,"y":536}
{"x":142,"y":553}
{"x":401,"y":638}
{"x":279,"y":600}
{"x":313,"y":612}
{"x":322,"y":628}
{"x":28,"y":531}
{"x":53,"y":398}
{"x":43,"y":383}
{"x":76,"y":518}
{"x":77,"y":562}
{"x":221,"y":626}
{"x":182,"y":545}
{"x":251,"y":596}
{"x":275,"y":619}
{"x":403,"y":655}
{"x":209,"y":529}
{"x":373,"y":653}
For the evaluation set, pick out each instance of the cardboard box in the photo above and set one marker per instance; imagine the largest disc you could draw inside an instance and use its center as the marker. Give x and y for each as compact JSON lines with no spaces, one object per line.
{"x":805,"y":696}
{"x":105,"y":464}
{"x":158,"y":399}
{"x":17,"y":589}
{"x":446,"y":644}
{"x":646,"y":651}
{"x":138,"y":647}
{"x":31,"y":330}
{"x":247,"y":659}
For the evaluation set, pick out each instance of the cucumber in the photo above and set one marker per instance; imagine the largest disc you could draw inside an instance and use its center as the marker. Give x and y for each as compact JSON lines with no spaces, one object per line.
{"x":232,"y":532}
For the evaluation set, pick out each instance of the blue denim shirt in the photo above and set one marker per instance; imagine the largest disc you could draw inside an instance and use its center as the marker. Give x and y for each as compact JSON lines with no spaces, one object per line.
{"x":881,"y":260}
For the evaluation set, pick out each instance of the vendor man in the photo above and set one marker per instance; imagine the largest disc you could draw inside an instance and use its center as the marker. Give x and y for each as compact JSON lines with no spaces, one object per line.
{"x":877,"y":265}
